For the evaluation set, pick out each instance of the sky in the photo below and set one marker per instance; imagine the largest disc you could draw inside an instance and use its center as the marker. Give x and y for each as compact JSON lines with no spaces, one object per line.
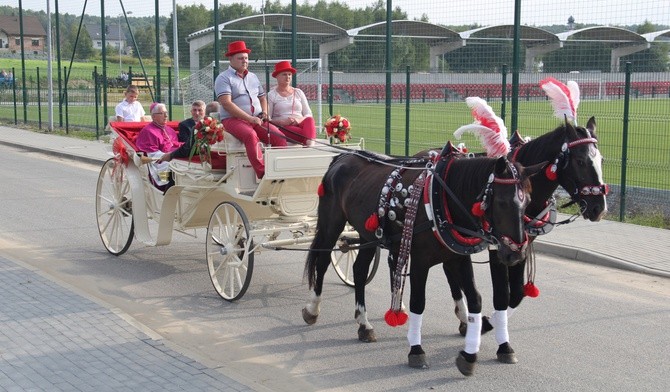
{"x":448,"y":12}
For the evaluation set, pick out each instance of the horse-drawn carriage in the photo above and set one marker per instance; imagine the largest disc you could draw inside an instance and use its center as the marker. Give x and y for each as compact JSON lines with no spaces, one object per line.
{"x":242,"y":214}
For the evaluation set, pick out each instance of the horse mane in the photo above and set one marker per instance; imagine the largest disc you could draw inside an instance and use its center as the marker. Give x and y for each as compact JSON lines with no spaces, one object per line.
{"x":544,"y":147}
{"x":470,"y":176}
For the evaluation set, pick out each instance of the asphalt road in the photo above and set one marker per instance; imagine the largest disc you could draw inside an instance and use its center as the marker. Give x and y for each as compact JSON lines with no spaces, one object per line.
{"x":592,"y":328}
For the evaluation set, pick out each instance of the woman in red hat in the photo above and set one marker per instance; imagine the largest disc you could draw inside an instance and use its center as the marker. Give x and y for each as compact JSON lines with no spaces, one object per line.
{"x":244,"y":106}
{"x":288,"y":106}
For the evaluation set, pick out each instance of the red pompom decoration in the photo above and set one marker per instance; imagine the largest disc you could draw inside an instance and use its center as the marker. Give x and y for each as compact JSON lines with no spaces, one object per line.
{"x":120,"y":152}
{"x":321,"y":190}
{"x":477,"y":209}
{"x":395,"y":318}
{"x":372,"y":223}
{"x":551,"y":172}
{"x":530,"y":290}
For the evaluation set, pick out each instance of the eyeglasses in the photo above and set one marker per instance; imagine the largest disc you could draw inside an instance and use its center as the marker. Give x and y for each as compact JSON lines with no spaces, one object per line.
{"x":162,"y":113}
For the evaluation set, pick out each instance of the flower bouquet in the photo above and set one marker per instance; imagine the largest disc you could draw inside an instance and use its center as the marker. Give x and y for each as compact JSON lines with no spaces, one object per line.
{"x":337,"y":129}
{"x":206,"y":132}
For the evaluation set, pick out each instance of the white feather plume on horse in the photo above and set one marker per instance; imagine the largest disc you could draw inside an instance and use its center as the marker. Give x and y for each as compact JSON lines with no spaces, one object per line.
{"x":488,"y":127}
{"x":564,"y":99}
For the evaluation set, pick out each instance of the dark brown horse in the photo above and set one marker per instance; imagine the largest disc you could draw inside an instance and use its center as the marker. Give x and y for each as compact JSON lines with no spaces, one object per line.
{"x":575,"y":165}
{"x":374,"y":195}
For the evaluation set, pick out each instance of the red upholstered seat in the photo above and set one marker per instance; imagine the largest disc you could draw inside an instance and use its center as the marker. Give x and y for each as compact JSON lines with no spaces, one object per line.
{"x":129,"y":131}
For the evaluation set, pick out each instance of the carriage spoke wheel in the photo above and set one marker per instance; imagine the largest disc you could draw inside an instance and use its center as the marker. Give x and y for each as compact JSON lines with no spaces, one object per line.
{"x":229,"y":259}
{"x":113,"y":207}
{"x":343,"y":262}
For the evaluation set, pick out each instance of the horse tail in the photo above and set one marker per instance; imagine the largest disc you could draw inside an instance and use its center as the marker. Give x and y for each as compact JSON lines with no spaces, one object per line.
{"x":328,"y":223}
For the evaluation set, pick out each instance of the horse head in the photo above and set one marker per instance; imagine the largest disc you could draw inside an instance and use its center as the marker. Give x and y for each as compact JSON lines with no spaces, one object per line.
{"x":505,"y":197}
{"x":581,"y":173}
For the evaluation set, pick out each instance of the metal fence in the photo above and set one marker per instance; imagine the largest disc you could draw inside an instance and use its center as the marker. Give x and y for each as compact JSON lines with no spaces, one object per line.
{"x":398,"y":94}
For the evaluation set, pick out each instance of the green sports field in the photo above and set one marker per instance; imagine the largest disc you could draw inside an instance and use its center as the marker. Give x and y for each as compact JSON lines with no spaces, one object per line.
{"x":432,"y":124}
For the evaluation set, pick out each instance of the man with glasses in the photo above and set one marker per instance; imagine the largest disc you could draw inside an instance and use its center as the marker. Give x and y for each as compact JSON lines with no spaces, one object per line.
{"x":244,"y":106}
{"x":156,"y":139}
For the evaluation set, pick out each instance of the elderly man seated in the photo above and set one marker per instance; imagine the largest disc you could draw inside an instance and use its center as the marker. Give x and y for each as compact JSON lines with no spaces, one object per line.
{"x":157,"y":139}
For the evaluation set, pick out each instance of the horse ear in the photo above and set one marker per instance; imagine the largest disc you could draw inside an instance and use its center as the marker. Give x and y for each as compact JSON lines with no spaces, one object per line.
{"x":501,"y":165}
{"x":530,"y":171}
{"x":591,"y":126}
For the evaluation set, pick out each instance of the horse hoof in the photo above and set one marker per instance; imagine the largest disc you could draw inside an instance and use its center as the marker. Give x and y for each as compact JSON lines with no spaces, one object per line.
{"x":366,"y":335}
{"x":466,"y":363}
{"x":507,"y":358}
{"x":308,"y":317}
{"x":506,"y":354}
{"x":463,"y":328}
{"x":417,"y":358}
{"x":417,"y":361}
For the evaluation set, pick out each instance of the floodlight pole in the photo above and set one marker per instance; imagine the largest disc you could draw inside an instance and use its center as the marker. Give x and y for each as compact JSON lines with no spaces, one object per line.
{"x":516,"y":60}
{"x":175,"y":45}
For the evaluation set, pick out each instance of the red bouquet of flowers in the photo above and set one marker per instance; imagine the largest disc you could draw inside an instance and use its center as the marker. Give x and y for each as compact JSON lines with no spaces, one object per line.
{"x":206,"y":132}
{"x":337,"y":129}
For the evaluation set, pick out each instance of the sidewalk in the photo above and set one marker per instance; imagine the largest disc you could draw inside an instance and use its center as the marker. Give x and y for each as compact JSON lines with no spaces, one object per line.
{"x":52,"y":336}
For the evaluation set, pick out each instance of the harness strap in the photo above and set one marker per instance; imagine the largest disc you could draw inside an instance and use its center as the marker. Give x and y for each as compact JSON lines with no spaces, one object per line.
{"x":406,"y":243}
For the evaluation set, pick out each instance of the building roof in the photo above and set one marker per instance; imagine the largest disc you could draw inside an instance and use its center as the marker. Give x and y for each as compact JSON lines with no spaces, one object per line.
{"x":316,"y":28}
{"x":603,"y":34}
{"x":406,"y":28}
{"x":112,"y":32}
{"x":31,"y":26}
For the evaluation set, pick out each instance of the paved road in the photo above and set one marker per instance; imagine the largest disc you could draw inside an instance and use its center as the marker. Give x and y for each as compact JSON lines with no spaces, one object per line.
{"x":83,"y":336}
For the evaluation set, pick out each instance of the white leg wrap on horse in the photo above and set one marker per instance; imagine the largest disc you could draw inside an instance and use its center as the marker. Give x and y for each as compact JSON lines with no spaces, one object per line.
{"x":462,"y":312}
{"x":414,"y":330}
{"x":474,"y":335}
{"x":362,"y":318}
{"x":499,"y":322}
{"x":314,"y":305}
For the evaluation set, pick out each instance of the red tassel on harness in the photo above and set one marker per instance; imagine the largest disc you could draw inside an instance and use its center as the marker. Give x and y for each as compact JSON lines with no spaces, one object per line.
{"x":530,"y":290}
{"x":321,"y":190}
{"x":372,"y":223}
{"x":550,"y":172}
{"x":395,"y":318}
{"x":477,"y":209}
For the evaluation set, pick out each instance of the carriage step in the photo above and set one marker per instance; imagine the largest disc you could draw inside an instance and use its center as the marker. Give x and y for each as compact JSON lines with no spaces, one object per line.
{"x":248,"y":193}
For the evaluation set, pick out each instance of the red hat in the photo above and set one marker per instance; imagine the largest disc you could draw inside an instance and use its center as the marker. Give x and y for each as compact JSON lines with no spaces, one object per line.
{"x":237,"y":47}
{"x":282,"y":66}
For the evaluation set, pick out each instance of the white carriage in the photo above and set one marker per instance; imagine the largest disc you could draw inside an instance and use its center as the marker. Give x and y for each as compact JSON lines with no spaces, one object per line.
{"x":242,"y":214}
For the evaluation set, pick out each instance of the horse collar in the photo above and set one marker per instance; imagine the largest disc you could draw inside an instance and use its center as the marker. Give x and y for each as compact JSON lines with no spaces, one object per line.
{"x":435,"y":202}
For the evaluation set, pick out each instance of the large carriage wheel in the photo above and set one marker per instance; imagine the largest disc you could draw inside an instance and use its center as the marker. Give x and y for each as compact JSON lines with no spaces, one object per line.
{"x":113,"y":207}
{"x":343,"y":262}
{"x":229,"y":259}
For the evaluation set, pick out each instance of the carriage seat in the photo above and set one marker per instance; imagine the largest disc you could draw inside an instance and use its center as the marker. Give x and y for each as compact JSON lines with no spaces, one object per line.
{"x":129,"y":131}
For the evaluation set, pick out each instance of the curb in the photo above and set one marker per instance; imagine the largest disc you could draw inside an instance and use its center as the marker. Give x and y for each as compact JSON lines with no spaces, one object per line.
{"x":587,"y":256}
{"x":74,"y":157}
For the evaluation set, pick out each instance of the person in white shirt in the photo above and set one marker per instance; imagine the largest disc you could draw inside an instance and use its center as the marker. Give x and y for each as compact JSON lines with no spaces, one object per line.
{"x":288,"y":106}
{"x":130,"y":109}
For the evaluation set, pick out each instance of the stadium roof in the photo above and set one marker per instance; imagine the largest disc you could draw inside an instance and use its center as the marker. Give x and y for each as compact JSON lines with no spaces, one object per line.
{"x":282,"y":24}
{"x":441,"y":39}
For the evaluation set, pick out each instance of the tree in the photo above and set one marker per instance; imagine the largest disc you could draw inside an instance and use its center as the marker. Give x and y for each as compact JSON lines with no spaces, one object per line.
{"x":146,"y":42}
{"x":190,"y":18}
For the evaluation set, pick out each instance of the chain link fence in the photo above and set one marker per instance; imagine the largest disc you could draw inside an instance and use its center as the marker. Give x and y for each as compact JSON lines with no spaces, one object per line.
{"x":403,"y":90}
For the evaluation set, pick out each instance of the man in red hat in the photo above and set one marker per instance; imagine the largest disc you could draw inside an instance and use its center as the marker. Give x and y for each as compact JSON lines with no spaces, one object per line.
{"x":288,"y":106}
{"x":244,"y":106}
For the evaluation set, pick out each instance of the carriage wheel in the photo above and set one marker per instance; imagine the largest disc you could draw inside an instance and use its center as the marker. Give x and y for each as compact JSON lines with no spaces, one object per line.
{"x":229,"y":259}
{"x":113,"y":207}
{"x":344,"y":265}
